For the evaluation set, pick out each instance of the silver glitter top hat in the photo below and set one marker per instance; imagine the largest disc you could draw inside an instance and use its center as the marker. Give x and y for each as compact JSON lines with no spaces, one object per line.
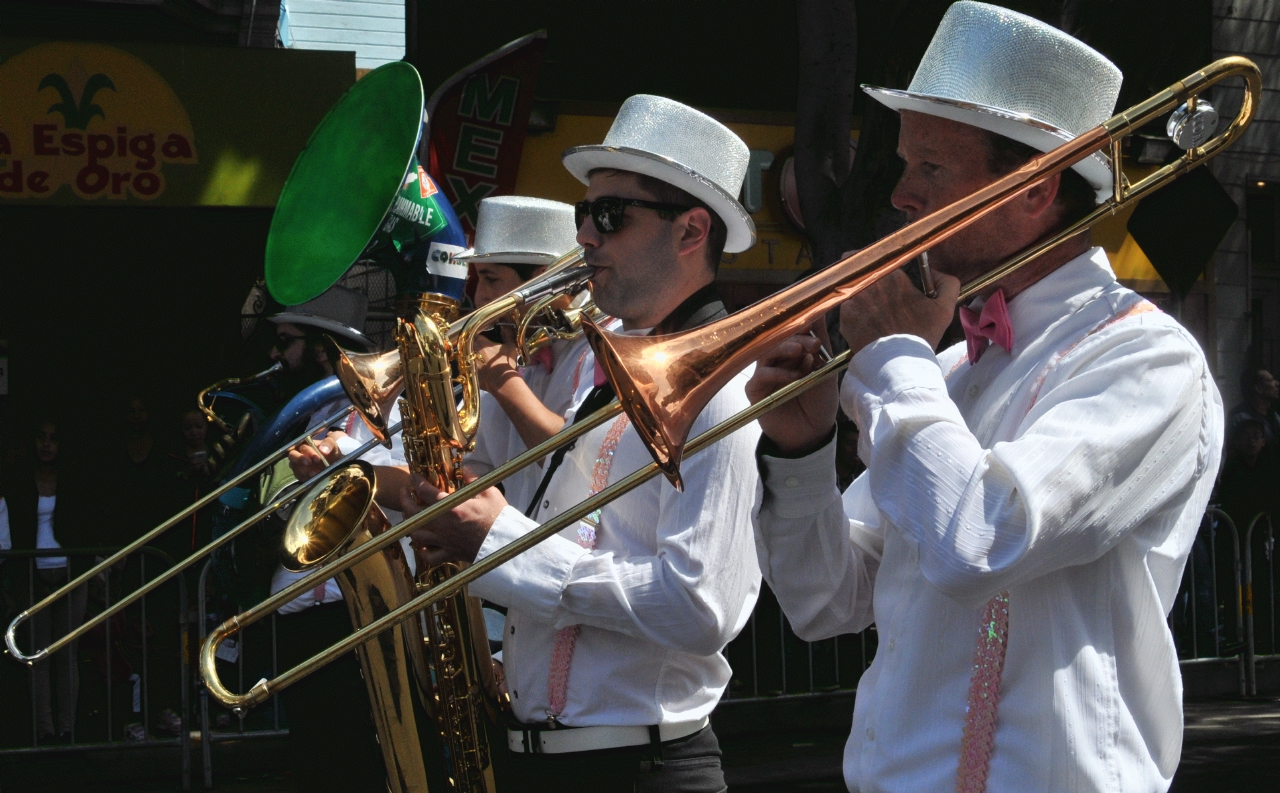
{"x":338,"y":310}
{"x":1015,"y":76}
{"x":664,"y":139}
{"x":521,"y":230}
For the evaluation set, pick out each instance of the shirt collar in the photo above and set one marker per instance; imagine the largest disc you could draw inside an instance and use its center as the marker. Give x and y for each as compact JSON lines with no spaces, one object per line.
{"x":1060,"y":293}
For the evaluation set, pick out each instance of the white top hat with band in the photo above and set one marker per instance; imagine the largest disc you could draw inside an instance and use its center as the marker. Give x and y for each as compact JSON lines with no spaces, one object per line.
{"x":672,"y":142}
{"x":338,"y":310}
{"x":1015,"y":76}
{"x":521,"y":230}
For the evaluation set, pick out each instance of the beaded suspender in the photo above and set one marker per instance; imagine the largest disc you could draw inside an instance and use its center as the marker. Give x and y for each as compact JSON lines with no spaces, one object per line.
{"x":567,"y":637}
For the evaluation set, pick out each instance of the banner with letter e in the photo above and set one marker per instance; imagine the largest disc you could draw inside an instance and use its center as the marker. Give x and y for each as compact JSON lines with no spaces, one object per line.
{"x":476,"y":124}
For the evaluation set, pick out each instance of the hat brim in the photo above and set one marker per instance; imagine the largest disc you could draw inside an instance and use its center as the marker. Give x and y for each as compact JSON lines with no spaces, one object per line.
{"x":582,"y":160}
{"x":324,"y":323}
{"x":1039,"y":135}
{"x":508,"y":257}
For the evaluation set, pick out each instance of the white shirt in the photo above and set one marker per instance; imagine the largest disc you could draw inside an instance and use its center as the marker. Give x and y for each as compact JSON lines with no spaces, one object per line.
{"x":44,"y":534}
{"x":571,"y":378}
{"x":357,"y":434}
{"x":672,"y":580}
{"x":1072,"y":473}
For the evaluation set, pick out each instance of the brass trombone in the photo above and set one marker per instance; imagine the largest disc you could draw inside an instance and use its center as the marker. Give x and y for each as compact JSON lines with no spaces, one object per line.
{"x":568,"y":274}
{"x":663,"y":382}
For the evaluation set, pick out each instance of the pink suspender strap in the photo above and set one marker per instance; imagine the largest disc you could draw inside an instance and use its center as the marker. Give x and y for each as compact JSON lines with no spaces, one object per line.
{"x":566,"y":638}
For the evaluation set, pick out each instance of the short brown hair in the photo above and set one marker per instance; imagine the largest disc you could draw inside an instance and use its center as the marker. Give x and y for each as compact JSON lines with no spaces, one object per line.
{"x":1075,"y":196}
{"x":667,"y":193}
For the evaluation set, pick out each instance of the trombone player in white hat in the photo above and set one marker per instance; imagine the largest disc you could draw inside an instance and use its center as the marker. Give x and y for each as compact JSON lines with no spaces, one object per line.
{"x":1032,"y":493}
{"x":522,"y":406}
{"x":614,"y":630}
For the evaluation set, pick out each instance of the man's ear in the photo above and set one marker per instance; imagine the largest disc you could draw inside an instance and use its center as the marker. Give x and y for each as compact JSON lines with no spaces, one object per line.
{"x":695,"y":231}
{"x":1040,"y":199}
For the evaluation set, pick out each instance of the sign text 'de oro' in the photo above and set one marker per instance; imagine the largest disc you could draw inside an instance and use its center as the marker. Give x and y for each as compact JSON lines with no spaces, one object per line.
{"x":89,"y":118}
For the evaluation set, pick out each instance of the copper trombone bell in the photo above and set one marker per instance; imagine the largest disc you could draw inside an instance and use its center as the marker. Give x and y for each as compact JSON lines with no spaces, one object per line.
{"x":664,"y":382}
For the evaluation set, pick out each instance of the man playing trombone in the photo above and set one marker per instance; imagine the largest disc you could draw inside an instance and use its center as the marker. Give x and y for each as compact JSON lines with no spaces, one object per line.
{"x":614,"y":628}
{"x":1031,"y":494}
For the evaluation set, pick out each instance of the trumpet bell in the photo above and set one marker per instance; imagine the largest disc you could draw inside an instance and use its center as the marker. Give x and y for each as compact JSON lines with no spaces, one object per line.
{"x":326,"y":517}
{"x":372,"y":381}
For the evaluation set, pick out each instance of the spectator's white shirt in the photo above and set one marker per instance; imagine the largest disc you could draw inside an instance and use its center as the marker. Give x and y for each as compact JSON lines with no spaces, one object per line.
{"x":672,"y":580}
{"x":1072,"y":473}
{"x":571,"y":378}
{"x":357,"y":434}
{"x":45,"y":540}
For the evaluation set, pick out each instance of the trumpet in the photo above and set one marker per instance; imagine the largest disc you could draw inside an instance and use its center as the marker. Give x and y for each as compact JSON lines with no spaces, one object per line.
{"x":374,"y":381}
{"x":663,"y":382}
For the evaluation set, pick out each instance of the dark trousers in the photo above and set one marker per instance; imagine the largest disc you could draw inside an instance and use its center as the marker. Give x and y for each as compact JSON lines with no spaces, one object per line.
{"x":687,"y":765}
{"x":333,"y":745}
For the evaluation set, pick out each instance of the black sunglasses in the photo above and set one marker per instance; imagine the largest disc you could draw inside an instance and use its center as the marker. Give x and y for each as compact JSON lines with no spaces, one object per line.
{"x":284,"y":340}
{"x":607,"y":212}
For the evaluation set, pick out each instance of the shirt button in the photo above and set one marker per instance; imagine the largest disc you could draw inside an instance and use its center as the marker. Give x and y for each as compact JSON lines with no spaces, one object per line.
{"x":513,"y":630}
{"x":515,"y":694}
{"x":792,"y":481}
{"x":892,"y":643}
{"x":973,"y":391}
{"x":546,"y":504}
{"x":871,"y":733}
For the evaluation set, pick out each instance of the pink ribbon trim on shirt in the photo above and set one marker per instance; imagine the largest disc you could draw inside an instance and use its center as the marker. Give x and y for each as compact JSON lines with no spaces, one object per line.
{"x":979,"y":736}
{"x":992,"y":325}
{"x":567,"y":638}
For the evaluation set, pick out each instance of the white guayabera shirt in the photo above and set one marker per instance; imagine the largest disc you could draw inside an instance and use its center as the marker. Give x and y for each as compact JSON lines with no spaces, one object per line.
{"x":1072,"y":473}
{"x":672,"y":579}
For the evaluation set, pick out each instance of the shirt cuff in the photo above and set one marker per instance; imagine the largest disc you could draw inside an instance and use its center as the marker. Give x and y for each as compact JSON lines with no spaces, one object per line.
{"x":801,"y":486}
{"x":533,"y":581}
{"x":894,"y":364}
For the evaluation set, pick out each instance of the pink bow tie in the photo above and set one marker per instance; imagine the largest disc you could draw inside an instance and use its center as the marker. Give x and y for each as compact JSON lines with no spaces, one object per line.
{"x":543,"y":357}
{"x":992,"y":325}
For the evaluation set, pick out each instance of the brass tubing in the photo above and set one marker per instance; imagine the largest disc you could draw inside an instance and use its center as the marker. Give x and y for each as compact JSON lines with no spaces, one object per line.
{"x":11,"y":635}
{"x":208,"y":651}
{"x":265,"y":688}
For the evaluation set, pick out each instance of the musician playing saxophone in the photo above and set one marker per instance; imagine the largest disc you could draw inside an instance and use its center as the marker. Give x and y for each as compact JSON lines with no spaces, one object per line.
{"x":614,"y":631}
{"x":1032,"y":493}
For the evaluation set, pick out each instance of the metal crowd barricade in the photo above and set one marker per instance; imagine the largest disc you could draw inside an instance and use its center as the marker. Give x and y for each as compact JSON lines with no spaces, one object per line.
{"x":143,"y":685}
{"x":208,"y":735}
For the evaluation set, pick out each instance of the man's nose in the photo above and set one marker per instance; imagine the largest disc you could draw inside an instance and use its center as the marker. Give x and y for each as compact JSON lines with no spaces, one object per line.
{"x":588,"y":237}
{"x":274,"y":354}
{"x":906,"y":199}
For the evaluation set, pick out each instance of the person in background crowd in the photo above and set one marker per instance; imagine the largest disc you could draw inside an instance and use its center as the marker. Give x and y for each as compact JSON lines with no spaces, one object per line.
{"x":45,"y":513}
{"x":1261,"y":391}
{"x":1247,"y":486}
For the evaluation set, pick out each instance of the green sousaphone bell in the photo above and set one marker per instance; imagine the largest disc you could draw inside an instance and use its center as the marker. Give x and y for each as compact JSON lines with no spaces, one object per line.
{"x":357,"y":194}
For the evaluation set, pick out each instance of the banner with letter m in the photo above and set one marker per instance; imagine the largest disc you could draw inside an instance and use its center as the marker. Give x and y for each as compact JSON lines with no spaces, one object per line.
{"x":476,"y":125}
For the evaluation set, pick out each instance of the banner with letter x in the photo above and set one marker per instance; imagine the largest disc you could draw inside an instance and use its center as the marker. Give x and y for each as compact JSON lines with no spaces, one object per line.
{"x":476,"y":124}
